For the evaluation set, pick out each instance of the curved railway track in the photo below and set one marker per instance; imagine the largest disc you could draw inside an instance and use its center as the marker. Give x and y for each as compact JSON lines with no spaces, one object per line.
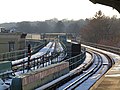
{"x":96,"y":70}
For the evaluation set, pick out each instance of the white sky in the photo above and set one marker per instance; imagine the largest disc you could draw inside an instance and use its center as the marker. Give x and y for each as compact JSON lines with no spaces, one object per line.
{"x":36,"y":10}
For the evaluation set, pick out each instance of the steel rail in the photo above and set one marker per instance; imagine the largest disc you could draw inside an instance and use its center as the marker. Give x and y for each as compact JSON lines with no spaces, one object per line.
{"x":84,"y":77}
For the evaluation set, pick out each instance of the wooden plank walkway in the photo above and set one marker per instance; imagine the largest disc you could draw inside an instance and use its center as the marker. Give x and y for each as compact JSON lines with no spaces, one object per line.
{"x":109,"y":81}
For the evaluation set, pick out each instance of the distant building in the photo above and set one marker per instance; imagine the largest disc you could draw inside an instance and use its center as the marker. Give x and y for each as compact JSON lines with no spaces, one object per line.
{"x":51,"y":36}
{"x":33,"y":36}
{"x":11,"y":41}
{"x":33,"y":39}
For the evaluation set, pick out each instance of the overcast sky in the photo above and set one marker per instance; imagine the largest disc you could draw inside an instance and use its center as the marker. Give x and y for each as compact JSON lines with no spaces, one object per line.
{"x":36,"y":10}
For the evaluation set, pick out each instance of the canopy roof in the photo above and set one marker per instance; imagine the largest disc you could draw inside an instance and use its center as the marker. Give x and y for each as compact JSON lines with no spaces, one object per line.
{"x":113,"y":3}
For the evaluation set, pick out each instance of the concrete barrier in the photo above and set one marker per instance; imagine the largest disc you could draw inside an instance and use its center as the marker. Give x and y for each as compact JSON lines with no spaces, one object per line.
{"x":37,"y":78}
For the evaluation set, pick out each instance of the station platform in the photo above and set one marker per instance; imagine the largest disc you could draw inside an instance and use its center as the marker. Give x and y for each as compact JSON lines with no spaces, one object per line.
{"x":109,"y":81}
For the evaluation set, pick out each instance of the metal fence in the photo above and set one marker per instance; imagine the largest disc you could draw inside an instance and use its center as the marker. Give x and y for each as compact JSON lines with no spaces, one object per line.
{"x":44,"y":61}
{"x":76,"y":60}
{"x":103,"y":47}
{"x":15,"y":55}
{"x":35,"y":63}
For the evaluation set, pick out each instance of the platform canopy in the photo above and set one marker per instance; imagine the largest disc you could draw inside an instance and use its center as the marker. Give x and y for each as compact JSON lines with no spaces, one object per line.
{"x":113,"y":3}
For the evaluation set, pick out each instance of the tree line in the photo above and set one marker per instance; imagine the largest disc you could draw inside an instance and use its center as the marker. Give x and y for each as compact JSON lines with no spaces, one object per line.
{"x":99,"y":29}
{"x":48,"y":26}
{"x":102,"y":29}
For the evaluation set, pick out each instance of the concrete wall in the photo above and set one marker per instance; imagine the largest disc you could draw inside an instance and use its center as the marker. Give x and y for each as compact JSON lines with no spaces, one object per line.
{"x":39,"y":77}
{"x":6,"y":38}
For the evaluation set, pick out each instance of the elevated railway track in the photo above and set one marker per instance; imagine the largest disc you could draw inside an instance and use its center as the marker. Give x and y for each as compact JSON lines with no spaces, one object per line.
{"x":84,"y":79}
{"x":83,"y":74}
{"x":41,"y":59}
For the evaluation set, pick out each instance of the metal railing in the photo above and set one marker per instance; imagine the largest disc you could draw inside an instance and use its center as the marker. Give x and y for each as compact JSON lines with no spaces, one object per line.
{"x":35,"y":63}
{"x":15,"y":55}
{"x":76,"y":60}
{"x":46,"y":60}
{"x":103,"y":47}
